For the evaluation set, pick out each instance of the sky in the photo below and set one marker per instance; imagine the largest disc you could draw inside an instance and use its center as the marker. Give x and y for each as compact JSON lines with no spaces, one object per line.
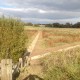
{"x":42,"y":11}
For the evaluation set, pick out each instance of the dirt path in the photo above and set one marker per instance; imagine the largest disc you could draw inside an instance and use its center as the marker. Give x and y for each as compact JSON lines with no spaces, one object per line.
{"x":32,"y":46}
{"x":35,"y":67}
{"x":37,"y":47}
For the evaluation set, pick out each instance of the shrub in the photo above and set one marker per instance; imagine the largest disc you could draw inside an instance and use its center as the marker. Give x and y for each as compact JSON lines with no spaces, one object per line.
{"x":12,"y":38}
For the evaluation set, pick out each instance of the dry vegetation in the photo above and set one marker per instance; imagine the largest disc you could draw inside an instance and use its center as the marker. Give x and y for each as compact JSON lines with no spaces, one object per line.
{"x":57,"y":37}
{"x":59,"y":65}
{"x":12,"y":38}
{"x":63,"y":65}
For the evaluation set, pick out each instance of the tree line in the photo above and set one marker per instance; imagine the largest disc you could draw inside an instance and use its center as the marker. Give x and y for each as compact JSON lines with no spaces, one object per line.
{"x":67,"y":25}
{"x":56,"y":25}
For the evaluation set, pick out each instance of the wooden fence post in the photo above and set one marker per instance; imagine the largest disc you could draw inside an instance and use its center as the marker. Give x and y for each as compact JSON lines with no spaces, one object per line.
{"x":26,"y":60}
{"x":21,"y":62}
{"x":6,"y":69}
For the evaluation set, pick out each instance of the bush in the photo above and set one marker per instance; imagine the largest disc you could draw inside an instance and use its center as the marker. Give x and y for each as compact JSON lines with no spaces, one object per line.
{"x":12,"y":38}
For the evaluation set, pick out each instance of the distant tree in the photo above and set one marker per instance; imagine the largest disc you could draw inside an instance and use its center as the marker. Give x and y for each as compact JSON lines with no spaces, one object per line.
{"x":48,"y":25}
{"x":56,"y":25}
{"x":67,"y":25}
{"x":28,"y":24}
{"x":77,"y":25}
{"x":36,"y":25}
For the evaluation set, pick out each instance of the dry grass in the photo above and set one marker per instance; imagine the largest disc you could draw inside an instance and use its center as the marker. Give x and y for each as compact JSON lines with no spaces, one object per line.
{"x":56,"y":37}
{"x":62,"y":65}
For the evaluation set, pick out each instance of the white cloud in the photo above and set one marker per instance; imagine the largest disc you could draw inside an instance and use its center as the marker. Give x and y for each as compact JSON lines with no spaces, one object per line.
{"x":42,"y":11}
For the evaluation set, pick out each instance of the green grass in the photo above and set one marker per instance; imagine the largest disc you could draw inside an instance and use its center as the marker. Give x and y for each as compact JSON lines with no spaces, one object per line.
{"x":63,"y":65}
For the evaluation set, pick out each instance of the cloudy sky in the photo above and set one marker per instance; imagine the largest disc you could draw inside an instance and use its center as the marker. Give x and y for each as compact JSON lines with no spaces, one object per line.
{"x":42,"y":11}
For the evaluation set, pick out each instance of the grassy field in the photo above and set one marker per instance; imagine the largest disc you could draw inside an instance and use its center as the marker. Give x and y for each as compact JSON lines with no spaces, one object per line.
{"x":53,"y":37}
{"x":63,"y":65}
{"x":60,"y":36}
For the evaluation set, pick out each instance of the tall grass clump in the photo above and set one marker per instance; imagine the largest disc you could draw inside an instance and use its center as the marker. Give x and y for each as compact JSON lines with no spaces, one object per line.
{"x":62,"y":65}
{"x":12,"y":38}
